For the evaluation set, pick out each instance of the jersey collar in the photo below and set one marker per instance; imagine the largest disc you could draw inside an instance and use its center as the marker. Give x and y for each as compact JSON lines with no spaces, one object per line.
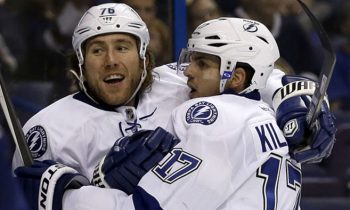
{"x":81,"y":96}
{"x":254,"y":95}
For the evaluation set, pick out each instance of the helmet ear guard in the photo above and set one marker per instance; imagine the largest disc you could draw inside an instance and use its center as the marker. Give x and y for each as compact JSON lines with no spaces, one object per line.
{"x":237,"y":40}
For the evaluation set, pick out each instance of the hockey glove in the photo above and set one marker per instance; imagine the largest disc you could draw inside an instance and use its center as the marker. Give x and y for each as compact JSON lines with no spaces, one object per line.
{"x":44,"y":183}
{"x":132,"y":157}
{"x":291,"y":103}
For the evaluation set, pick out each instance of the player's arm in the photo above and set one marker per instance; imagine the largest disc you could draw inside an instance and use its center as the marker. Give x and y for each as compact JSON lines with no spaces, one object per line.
{"x":131,"y":157}
{"x":291,"y":103}
{"x":48,"y":185}
{"x":44,"y":183}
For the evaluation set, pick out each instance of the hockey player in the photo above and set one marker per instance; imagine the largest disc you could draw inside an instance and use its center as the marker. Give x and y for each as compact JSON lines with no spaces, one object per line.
{"x":120,"y":94}
{"x":226,"y":159}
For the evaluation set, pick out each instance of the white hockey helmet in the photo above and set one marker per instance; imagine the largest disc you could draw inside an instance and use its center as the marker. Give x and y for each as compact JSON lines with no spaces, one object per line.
{"x":237,"y":40}
{"x":109,"y":18}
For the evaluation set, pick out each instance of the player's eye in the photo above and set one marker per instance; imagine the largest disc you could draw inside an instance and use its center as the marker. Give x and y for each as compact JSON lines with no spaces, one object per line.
{"x":97,"y":51}
{"x":201,"y":63}
{"x":122,"y":48}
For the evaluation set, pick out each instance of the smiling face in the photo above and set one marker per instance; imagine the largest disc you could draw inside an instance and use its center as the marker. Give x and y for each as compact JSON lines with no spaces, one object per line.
{"x":112,"y":68}
{"x":203,"y":75}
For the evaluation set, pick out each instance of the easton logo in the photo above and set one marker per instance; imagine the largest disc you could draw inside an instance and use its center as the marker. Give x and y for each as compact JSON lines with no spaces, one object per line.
{"x":96,"y":179}
{"x":37,"y":141}
{"x":45,"y":184}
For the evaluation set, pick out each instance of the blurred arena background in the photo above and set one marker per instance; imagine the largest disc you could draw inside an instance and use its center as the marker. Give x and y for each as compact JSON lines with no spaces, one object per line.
{"x":35,"y":41}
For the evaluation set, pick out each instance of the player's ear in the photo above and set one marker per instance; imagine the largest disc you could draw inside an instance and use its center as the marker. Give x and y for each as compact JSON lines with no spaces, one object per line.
{"x":237,"y":80}
{"x":149,"y":60}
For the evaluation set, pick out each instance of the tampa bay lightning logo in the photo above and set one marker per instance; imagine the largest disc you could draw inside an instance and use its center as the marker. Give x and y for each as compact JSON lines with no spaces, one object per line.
{"x":250,"y":27}
{"x":203,"y":112}
{"x":37,"y":141}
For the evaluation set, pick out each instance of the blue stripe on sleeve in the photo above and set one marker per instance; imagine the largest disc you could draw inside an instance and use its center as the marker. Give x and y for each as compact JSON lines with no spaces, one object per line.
{"x":144,"y":201}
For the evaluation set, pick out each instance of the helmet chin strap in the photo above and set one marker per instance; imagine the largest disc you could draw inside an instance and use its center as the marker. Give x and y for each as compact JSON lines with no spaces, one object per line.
{"x":142,"y":79}
{"x":223,"y":84}
{"x":247,"y":90}
{"x":82,"y":86}
{"x":80,"y":78}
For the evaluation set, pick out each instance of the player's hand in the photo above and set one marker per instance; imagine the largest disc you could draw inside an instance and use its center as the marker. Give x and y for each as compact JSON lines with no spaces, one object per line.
{"x":131,"y":157}
{"x":44,"y":183}
{"x":306,"y":144}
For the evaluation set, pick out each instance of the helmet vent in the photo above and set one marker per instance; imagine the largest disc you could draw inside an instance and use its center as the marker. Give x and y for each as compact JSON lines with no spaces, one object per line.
{"x":83,"y":30}
{"x":217,"y":44}
{"x":212,"y":37}
{"x":262,"y":38}
{"x":135,"y":25}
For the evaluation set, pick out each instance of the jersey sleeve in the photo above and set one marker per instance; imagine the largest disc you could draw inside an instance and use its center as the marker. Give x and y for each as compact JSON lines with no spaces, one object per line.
{"x":90,"y":197}
{"x":272,"y":85}
{"x":37,"y":141}
{"x":72,"y":138}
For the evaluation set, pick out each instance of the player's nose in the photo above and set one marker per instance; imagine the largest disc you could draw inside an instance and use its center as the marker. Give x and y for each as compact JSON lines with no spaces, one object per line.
{"x":111,"y":59}
{"x":189,"y":70}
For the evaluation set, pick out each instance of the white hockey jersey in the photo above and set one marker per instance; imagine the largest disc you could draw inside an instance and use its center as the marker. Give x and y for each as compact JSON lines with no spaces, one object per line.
{"x":77,"y":132}
{"x":232,"y":155}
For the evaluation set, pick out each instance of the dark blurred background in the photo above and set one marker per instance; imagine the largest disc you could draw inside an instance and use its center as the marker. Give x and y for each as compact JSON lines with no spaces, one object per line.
{"x":35,"y":41}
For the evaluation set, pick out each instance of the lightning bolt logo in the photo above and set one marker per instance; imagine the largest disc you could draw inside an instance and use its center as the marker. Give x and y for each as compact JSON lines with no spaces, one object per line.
{"x":202,"y":112}
{"x":250,"y":27}
{"x":37,"y":141}
{"x":34,"y":139}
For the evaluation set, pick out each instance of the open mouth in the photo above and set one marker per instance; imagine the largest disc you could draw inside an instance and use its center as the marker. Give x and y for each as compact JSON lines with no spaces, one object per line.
{"x":113,"y":79}
{"x":192,"y":88}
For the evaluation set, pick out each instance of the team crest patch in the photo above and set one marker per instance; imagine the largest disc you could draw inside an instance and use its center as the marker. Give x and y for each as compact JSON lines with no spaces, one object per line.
{"x":37,"y":141}
{"x":203,"y":112}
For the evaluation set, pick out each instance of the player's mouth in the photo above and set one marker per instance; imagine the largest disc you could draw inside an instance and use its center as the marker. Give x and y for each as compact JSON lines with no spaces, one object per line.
{"x":113,"y":79}
{"x":193,"y":89}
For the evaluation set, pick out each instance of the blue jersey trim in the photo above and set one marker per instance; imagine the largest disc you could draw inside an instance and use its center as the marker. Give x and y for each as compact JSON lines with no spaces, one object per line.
{"x":254,"y":95}
{"x":80,"y":96}
{"x":144,"y":201}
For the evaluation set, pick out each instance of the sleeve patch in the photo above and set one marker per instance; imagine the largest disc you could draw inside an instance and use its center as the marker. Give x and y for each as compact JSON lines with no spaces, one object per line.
{"x":37,"y":141}
{"x":203,"y":112}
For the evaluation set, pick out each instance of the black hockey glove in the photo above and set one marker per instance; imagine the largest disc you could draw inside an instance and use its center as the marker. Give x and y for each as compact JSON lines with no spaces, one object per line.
{"x":131,"y":157}
{"x":291,"y":103}
{"x":44,"y":183}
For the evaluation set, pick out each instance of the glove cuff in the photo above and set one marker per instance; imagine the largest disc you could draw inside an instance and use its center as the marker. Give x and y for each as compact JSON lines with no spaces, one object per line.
{"x":54,"y":181}
{"x":297,"y":88}
{"x":98,"y":176}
